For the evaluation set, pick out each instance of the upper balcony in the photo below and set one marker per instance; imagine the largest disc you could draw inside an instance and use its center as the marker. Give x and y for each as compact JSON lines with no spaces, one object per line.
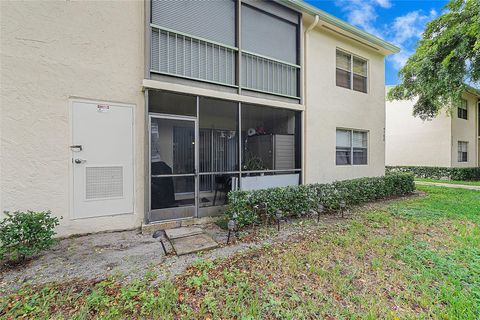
{"x":251,"y":45}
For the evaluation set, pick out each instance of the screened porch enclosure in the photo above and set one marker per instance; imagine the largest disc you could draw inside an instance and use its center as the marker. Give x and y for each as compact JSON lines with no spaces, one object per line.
{"x":218,"y":153}
{"x":202,"y":148}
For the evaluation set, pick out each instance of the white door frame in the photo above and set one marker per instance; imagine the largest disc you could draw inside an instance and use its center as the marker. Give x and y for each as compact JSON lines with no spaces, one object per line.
{"x":194,"y":119}
{"x":71,"y":102}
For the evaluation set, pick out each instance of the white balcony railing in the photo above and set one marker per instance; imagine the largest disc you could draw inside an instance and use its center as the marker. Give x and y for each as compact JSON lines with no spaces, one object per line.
{"x":183,"y":55}
{"x":186,"y":56}
{"x":264,"y":74}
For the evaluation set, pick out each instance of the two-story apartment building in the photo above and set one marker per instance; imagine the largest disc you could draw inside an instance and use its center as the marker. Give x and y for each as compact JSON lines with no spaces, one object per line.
{"x":117,"y":114}
{"x":449,"y":140}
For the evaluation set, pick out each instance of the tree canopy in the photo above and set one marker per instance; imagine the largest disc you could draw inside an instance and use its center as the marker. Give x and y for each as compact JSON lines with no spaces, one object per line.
{"x":447,"y":56}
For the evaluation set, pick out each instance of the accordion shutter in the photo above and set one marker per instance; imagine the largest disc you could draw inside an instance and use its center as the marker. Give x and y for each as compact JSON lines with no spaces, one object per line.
{"x":274,"y":9}
{"x":212,"y":20}
{"x":267,"y":35}
{"x":188,"y":57}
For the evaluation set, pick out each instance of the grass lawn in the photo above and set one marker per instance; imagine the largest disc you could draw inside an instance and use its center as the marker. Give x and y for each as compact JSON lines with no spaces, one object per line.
{"x":414,"y":258}
{"x":468,"y":183}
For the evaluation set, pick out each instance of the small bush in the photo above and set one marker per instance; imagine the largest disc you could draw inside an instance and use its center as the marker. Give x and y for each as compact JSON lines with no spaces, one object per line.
{"x":439,"y":173}
{"x":24,"y":234}
{"x":301,"y":200}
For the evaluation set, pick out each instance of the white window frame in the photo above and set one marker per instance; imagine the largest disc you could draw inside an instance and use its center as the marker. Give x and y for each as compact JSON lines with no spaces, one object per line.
{"x":351,"y":70}
{"x":460,"y":152}
{"x":352,"y":147}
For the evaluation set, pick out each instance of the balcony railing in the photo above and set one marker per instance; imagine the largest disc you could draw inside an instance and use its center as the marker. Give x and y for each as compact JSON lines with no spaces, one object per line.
{"x":183,"y":55}
{"x":186,"y":56}
{"x":264,"y":74}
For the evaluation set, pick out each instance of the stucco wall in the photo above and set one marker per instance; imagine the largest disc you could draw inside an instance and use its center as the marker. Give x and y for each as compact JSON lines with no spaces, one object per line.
{"x":329,"y":107}
{"x":52,"y":51}
{"x":466,"y":130}
{"x":414,"y":142}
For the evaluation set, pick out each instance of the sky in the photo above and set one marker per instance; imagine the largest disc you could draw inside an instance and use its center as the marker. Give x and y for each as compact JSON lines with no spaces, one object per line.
{"x":400,"y":22}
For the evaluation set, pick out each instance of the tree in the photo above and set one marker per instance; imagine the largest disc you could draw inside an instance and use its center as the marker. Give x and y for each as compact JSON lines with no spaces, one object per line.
{"x":447,"y":55}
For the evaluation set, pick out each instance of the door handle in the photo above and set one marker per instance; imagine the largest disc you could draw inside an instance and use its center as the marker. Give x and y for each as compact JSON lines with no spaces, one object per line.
{"x":80,"y":161}
{"x":77,"y":147}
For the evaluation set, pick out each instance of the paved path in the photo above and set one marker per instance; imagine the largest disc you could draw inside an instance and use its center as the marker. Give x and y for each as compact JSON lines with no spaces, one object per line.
{"x":448,"y":185}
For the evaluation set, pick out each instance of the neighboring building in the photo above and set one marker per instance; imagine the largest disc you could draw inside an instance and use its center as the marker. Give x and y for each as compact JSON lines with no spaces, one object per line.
{"x":449,"y":140}
{"x":117,"y":114}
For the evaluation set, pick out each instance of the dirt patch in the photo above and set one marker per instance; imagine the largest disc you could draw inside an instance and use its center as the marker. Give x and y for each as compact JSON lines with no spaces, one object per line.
{"x":131,"y":254}
{"x":15,"y":265}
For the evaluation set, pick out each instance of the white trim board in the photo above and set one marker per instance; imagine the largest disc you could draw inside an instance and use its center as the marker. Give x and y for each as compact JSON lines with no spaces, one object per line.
{"x":160,"y":85}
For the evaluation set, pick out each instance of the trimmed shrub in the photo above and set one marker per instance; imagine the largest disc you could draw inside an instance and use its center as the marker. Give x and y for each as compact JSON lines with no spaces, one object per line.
{"x":301,"y":200}
{"x":439,"y":173}
{"x":24,"y":234}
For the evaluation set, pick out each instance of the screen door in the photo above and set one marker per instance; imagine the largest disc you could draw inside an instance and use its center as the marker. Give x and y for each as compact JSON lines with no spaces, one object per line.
{"x":172,"y":168}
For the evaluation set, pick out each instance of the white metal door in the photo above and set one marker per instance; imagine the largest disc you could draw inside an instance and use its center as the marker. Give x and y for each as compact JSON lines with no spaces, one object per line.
{"x":102,"y":159}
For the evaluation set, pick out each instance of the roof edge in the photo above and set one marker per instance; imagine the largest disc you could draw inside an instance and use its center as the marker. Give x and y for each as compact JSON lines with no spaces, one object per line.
{"x":473,"y":90}
{"x":469,"y":89}
{"x":307,"y":8}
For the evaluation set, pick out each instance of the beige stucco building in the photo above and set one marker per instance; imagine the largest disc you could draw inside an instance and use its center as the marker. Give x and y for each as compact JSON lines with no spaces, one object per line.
{"x":118,"y":114}
{"x":449,"y":140}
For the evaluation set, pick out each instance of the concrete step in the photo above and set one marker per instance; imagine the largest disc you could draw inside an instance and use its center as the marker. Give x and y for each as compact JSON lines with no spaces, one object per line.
{"x":193,"y":243}
{"x":182,"y":232}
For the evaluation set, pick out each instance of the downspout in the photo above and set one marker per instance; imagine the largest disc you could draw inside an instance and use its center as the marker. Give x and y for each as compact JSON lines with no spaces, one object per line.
{"x":304,"y":93}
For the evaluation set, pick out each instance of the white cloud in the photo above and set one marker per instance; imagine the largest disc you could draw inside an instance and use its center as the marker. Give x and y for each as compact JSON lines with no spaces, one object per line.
{"x":404,"y":31}
{"x":384,"y":3}
{"x":400,"y":58}
{"x":362,"y":13}
{"x":410,"y":26}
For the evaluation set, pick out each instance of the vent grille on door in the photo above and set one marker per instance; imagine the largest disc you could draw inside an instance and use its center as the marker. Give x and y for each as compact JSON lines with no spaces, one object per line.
{"x":104,"y":182}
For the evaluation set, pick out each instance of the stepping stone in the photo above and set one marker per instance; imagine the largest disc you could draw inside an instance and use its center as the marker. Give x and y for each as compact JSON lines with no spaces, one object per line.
{"x":182,"y":232}
{"x":193,"y":243}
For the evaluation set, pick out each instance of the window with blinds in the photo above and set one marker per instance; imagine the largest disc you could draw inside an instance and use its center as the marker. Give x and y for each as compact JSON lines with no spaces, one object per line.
{"x":351,"y":71}
{"x":462,"y":151}
{"x":351,"y":147}
{"x":360,"y":153}
{"x":344,"y":147}
{"x":463,"y":110}
{"x":359,"y":74}
{"x":344,"y":69}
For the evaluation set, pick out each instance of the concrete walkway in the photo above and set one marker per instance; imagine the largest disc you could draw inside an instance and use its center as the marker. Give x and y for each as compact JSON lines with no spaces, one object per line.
{"x":448,"y":185}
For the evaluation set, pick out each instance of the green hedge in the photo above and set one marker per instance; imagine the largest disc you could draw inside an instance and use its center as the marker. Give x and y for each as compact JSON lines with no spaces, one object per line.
{"x":300,"y":200}
{"x":439,"y":173}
